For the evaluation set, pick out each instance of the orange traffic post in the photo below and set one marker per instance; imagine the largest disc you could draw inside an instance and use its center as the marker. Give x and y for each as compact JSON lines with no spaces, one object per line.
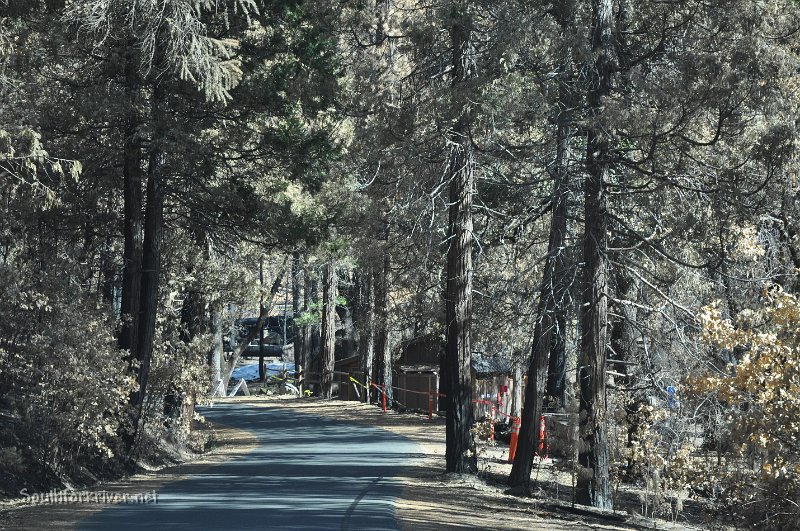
{"x":383,"y":388}
{"x":512,"y":447}
{"x":542,"y":435}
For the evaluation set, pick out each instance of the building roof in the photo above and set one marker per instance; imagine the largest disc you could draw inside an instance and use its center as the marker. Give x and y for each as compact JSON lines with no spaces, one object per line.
{"x":419,"y":367}
{"x":483,"y":366}
{"x":490,"y":365}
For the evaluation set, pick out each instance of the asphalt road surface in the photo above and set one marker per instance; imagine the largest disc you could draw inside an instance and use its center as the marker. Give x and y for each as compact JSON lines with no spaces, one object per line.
{"x":307,"y":472}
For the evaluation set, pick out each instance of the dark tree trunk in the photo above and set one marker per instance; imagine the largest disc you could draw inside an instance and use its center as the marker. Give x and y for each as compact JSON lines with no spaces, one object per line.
{"x":348,"y":314}
{"x":194,"y":323}
{"x":460,"y":447}
{"x":305,"y":331}
{"x":548,"y":335}
{"x":314,"y":342}
{"x":193,"y":316}
{"x":383,"y":352}
{"x":549,"y":328}
{"x":328,"y":327}
{"x":151,"y":263}
{"x":623,"y":328}
{"x":623,"y":347}
{"x":296,"y":292}
{"x":557,"y":369}
{"x":593,"y":486}
{"x":132,"y":216}
{"x":262,"y":374}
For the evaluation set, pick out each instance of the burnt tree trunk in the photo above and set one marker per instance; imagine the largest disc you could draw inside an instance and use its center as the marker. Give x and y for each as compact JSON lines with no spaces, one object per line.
{"x":132,"y":215}
{"x":328,"y":327}
{"x":593,"y":486}
{"x":623,"y":347}
{"x":549,"y":328}
{"x":151,"y":268}
{"x":460,"y":446}
{"x":557,"y":366}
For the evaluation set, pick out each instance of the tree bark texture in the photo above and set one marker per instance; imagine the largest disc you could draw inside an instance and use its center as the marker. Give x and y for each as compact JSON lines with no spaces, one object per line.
{"x":547,"y":369}
{"x":132,"y":215}
{"x":559,"y":289}
{"x":303,"y":354}
{"x":366,"y":337}
{"x":383,"y":352}
{"x":460,"y":454}
{"x":296,"y":294}
{"x":153,"y":235}
{"x":328,"y":327}
{"x":593,"y":486}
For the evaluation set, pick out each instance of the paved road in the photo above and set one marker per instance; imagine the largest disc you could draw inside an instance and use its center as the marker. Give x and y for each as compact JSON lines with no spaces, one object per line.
{"x":308,"y":472}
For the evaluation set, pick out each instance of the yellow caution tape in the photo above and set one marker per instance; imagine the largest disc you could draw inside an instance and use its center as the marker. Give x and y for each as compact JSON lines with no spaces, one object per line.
{"x":357,"y":382}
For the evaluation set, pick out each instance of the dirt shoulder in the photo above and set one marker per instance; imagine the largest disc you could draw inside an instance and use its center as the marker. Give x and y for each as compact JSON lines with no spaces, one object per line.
{"x":24,"y":515}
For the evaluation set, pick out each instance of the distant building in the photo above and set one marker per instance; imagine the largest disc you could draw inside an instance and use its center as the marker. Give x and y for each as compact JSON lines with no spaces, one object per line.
{"x":418,"y":372}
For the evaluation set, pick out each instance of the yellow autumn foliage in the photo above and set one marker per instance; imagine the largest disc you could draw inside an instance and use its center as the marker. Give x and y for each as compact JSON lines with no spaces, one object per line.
{"x":765,"y":383}
{"x":761,"y":392}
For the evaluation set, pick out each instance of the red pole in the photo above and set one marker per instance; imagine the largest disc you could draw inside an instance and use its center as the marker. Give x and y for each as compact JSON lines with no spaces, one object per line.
{"x":541,"y":436}
{"x":383,"y":388}
{"x":512,"y":448}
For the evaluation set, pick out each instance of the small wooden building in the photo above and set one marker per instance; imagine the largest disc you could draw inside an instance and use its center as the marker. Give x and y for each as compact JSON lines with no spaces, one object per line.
{"x":416,"y":373}
{"x":418,"y":370}
{"x":341,"y":378}
{"x":492,"y":381}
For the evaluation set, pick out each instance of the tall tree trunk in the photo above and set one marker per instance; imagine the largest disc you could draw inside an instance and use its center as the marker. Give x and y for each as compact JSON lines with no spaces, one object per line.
{"x":315,"y":359}
{"x":557,"y":369}
{"x":366,"y":343}
{"x":262,"y":374}
{"x":151,"y":262}
{"x":383,"y":351}
{"x":349,"y":315}
{"x":132,"y":213}
{"x":549,"y":328}
{"x":460,"y":448}
{"x":593,"y":486}
{"x":296,"y":292}
{"x":623,"y":347}
{"x":305,"y":330}
{"x":548,"y":335}
{"x":328,"y":327}
{"x":194,"y":323}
